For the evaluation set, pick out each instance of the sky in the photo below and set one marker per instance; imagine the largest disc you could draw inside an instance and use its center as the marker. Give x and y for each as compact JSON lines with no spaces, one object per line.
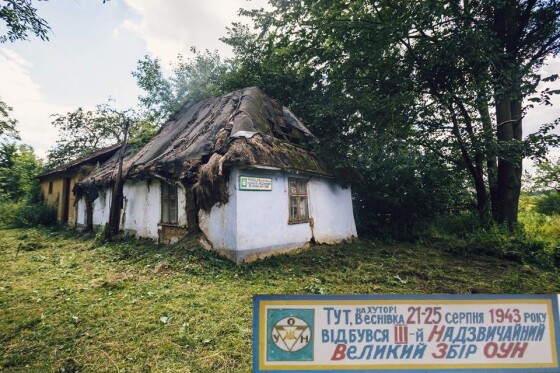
{"x":94,"y":47}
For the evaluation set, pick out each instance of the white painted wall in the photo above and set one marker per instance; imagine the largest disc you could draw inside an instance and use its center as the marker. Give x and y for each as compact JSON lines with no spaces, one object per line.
{"x":141,"y":211}
{"x":330,"y":205}
{"x":81,"y":219}
{"x":219,"y":224}
{"x":101,"y":207}
{"x":181,"y":205}
{"x":262,"y":216}
{"x":141,"y":208}
{"x":254,"y":222}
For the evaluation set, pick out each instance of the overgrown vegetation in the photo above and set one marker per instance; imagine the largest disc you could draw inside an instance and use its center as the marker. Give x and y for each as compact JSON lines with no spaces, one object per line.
{"x":21,"y":202}
{"x":69,"y":302}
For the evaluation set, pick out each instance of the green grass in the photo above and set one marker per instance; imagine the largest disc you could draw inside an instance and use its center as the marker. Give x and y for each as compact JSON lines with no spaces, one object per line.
{"x":69,"y":305}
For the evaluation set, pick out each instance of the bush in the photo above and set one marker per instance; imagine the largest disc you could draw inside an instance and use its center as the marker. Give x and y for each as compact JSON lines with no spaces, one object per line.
{"x":404,"y":190}
{"x":8,"y":212}
{"x":460,"y":225}
{"x":31,"y":215}
{"x":548,"y":204}
{"x":538,"y":226}
{"x":463,"y":234}
{"x":499,"y":241}
{"x":26,"y":214}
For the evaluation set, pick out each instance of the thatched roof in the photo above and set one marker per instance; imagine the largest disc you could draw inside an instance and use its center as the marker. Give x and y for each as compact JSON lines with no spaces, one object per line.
{"x":202,"y":140}
{"x":243,"y":127}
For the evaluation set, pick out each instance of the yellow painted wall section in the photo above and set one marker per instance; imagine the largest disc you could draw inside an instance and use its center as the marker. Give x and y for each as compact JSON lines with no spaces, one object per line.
{"x":53,"y":198}
{"x":56,"y":197}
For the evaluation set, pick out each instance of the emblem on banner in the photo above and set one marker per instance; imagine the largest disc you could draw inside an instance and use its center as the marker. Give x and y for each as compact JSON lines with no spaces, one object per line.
{"x":290,"y":335}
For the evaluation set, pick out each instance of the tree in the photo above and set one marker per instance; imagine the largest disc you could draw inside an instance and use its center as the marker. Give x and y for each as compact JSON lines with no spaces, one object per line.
{"x":192,"y":79}
{"x":547,"y":176}
{"x":21,"y":19}
{"x":83,"y":132}
{"x":405,"y":188}
{"x":431,"y":66}
{"x":19,"y":167}
{"x":7,"y":123}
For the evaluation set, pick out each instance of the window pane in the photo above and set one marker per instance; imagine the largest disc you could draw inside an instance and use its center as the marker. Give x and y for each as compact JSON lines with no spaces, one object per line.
{"x":302,"y":187}
{"x":164,"y":212}
{"x":303,"y":207}
{"x":293,"y":208}
{"x":164,"y":191}
{"x":293,"y":187}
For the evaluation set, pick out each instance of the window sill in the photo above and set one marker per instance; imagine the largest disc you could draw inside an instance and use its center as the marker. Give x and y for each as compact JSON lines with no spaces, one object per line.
{"x":293,"y":222}
{"x":170,"y":225}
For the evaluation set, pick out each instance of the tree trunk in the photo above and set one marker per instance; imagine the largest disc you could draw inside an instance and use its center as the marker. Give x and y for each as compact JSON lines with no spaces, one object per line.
{"x":481,"y":194}
{"x":475,"y":167}
{"x":507,"y":192}
{"x":490,"y":155}
{"x":508,"y":112}
{"x":516,"y":114}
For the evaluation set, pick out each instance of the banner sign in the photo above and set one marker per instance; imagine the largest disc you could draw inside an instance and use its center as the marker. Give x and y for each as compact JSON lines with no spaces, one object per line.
{"x":255,"y":183}
{"x":406,"y":333}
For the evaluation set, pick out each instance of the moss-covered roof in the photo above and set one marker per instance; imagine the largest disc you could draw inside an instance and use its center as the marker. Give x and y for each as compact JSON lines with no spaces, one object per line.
{"x":244,"y":127}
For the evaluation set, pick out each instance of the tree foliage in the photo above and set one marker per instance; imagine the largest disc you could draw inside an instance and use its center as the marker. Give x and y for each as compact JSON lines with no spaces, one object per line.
{"x":405,"y":188}
{"x":192,"y":79}
{"x":21,"y":19}
{"x":430,"y":71}
{"x":7,"y":123}
{"x":82,"y":132}
{"x":19,"y":167}
{"x":547,"y":175}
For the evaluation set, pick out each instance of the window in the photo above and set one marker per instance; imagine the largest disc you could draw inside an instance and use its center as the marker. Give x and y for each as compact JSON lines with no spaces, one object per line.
{"x":50,"y":187}
{"x":168,"y":203}
{"x":298,"y":201}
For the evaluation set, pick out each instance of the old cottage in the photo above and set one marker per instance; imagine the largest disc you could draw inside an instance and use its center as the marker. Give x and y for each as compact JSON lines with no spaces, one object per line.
{"x":238,"y":167}
{"x":57,"y":184}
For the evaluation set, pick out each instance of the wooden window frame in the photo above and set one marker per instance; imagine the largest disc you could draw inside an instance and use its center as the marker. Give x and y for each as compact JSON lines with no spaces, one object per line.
{"x":169,"y":216}
{"x":300,"y":194}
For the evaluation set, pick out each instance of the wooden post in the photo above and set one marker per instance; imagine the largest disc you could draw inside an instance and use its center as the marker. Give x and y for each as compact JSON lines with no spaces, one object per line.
{"x":116,"y":197}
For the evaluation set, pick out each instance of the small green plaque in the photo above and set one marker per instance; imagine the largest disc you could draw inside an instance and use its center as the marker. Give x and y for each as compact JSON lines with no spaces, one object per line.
{"x":255,"y":183}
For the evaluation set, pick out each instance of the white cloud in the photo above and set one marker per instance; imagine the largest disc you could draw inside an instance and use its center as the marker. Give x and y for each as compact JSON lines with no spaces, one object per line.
{"x":174,"y":26}
{"x":540,"y":115}
{"x":31,"y":108}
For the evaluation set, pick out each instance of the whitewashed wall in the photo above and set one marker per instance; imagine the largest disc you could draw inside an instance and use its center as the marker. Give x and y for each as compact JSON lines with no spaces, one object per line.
{"x":330,"y":206}
{"x":81,"y":220}
{"x":256,"y":222}
{"x":101,"y":207}
{"x":141,"y":211}
{"x":220,"y":225}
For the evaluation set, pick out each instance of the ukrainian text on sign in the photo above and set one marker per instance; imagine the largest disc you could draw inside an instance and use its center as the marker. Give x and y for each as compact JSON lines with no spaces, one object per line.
{"x":255,"y":183}
{"x":444,"y":333}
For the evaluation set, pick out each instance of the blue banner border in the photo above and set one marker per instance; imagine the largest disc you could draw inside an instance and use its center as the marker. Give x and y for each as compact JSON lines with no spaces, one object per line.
{"x":257,"y":299}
